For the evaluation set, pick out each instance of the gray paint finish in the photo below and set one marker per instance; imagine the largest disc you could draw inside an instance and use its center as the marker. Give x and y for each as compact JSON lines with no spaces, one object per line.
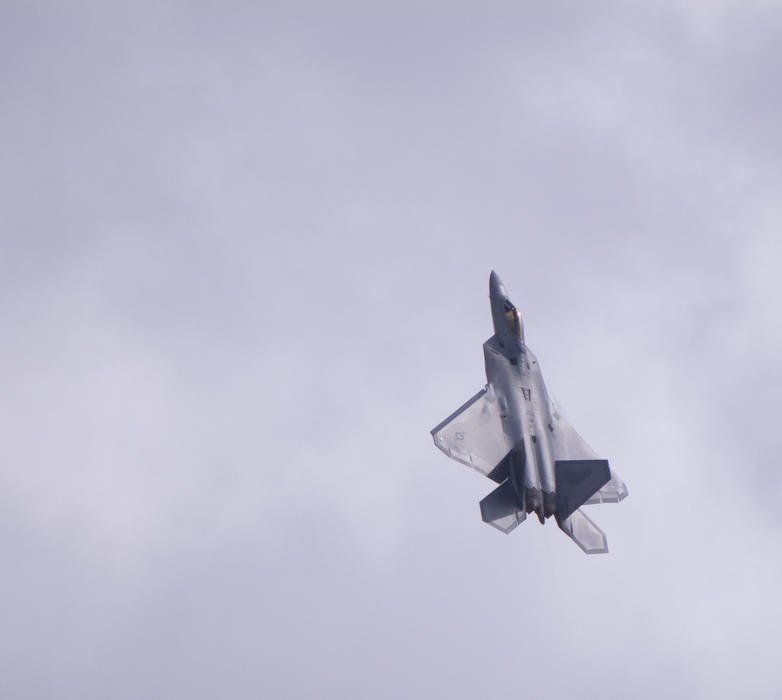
{"x":550,"y":469}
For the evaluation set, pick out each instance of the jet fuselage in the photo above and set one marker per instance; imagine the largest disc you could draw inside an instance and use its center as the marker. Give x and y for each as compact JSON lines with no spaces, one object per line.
{"x":511,"y":432}
{"x":527,"y":416}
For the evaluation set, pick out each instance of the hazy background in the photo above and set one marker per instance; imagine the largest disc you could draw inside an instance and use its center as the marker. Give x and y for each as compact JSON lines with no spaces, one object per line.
{"x":244,"y":262}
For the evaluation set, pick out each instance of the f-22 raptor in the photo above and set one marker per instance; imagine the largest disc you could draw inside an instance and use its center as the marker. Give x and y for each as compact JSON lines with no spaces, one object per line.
{"x":512,"y":432}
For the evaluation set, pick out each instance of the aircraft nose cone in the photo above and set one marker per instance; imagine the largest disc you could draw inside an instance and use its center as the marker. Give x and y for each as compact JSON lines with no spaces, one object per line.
{"x":496,"y":287}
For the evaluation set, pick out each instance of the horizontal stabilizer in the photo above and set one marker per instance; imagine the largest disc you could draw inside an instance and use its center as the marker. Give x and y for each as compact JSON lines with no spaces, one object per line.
{"x":501,"y":508}
{"x":584,"y":533}
{"x":577,"y":481}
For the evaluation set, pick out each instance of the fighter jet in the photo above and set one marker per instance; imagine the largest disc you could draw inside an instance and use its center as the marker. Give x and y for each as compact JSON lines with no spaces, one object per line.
{"x":512,"y":432}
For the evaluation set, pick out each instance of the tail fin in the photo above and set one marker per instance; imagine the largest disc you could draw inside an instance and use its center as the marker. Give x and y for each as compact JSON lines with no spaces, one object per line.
{"x":502,"y":509}
{"x":584,"y":533}
{"x":577,"y":481}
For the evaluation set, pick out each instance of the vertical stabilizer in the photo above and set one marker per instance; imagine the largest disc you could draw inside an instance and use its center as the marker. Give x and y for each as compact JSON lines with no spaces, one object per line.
{"x":502,"y":509}
{"x":577,"y":481}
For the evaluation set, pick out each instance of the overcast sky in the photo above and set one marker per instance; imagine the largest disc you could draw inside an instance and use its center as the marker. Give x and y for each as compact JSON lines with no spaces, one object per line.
{"x":244,"y":262}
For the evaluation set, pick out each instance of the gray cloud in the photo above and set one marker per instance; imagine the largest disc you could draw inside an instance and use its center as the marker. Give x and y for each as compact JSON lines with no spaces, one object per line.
{"x":244,"y":262}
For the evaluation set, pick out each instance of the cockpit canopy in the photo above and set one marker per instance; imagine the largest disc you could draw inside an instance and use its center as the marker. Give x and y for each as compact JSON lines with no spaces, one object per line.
{"x":513,"y":318}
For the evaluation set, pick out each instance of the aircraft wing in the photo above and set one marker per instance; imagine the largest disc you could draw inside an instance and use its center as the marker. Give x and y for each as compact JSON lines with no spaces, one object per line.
{"x":569,"y":445}
{"x":473,"y":434}
{"x":613,"y":492}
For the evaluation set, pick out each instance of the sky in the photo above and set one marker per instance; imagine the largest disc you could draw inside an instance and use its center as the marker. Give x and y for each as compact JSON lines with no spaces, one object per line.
{"x":244,"y":262}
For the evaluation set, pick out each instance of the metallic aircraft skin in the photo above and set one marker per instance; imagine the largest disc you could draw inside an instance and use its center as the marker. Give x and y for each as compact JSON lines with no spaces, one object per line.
{"x":512,"y":432}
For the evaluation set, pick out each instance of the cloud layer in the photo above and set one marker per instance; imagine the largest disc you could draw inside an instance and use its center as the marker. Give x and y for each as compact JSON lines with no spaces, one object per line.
{"x":244,"y":270}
